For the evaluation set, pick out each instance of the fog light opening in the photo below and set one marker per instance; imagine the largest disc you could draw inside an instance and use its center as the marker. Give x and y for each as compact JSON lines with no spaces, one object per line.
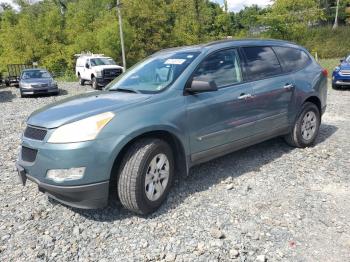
{"x":63,"y":175}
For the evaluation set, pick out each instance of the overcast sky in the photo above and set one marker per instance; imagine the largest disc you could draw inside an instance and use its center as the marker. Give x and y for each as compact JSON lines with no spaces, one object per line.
{"x":234,"y":5}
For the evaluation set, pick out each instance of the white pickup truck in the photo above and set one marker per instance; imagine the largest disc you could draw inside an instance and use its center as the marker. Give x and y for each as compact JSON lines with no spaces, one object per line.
{"x":99,"y":70}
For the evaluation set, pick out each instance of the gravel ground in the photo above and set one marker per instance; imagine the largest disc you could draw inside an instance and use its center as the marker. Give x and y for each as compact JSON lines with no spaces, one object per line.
{"x":268,"y":202}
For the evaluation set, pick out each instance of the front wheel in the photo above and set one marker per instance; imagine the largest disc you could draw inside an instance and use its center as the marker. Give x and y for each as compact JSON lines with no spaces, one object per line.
{"x":335,"y":87}
{"x":306,"y":127}
{"x":94,"y":83}
{"x":146,"y":175}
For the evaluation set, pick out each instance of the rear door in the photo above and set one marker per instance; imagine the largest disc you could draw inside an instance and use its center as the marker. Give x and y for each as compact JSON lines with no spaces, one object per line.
{"x":221,"y":117}
{"x":272,"y":89}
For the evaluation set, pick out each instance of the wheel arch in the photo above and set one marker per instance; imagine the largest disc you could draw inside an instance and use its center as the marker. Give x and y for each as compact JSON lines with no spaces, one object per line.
{"x":315,"y":100}
{"x":181,"y":162}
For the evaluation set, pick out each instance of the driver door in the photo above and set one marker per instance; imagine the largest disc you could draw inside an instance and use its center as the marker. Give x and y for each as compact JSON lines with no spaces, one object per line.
{"x":217,"y":120}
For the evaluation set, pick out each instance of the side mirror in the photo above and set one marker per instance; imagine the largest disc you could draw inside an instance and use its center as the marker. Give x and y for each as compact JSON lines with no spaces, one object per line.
{"x":87,"y":66}
{"x":342,"y":60}
{"x":199,"y":86}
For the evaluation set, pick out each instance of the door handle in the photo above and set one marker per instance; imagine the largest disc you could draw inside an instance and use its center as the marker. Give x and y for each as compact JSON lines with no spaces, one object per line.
{"x":245,"y":96}
{"x":288,"y":87}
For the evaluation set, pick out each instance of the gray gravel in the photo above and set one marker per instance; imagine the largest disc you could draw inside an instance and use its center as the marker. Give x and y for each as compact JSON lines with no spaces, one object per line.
{"x":269,"y":202}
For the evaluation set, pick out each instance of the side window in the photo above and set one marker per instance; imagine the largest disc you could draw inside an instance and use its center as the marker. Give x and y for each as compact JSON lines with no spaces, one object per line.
{"x":292,"y":59}
{"x":261,"y":62}
{"x":223,"y":67}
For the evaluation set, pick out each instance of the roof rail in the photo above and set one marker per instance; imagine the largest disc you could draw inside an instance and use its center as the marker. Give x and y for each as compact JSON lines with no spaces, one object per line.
{"x":87,"y":54}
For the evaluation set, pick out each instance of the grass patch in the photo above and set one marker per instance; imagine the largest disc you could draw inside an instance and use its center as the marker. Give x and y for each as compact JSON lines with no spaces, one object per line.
{"x":329,"y":64}
{"x":66,"y":77}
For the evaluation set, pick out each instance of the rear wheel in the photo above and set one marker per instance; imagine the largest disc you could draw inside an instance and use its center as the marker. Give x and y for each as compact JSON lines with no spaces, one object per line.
{"x":306,"y":127}
{"x":146,"y":175}
{"x":81,"y":81}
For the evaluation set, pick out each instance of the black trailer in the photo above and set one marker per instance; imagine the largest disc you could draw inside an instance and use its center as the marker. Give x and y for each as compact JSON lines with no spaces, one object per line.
{"x":14,"y":73}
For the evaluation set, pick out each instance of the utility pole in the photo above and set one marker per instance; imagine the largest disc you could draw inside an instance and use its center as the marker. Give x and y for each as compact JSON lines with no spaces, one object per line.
{"x":336,"y":16}
{"x":121,"y":33}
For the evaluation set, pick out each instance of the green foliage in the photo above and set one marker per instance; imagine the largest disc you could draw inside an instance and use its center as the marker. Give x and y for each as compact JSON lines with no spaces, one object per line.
{"x":326,"y":42}
{"x":290,"y":19}
{"x":50,"y":32}
{"x":329,"y":64}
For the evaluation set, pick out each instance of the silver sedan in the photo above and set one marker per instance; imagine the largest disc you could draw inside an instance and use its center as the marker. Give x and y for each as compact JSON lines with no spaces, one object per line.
{"x":37,"y":81}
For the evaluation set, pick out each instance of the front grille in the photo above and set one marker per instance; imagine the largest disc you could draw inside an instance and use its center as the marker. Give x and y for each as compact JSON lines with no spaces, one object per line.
{"x":112,"y":73}
{"x":35,"y":133}
{"x":345,"y":72}
{"x":28,"y":154}
{"x":40,"y":86}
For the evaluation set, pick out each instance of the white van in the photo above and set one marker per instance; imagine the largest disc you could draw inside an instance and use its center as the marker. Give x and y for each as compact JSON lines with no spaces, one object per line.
{"x":99,"y":70}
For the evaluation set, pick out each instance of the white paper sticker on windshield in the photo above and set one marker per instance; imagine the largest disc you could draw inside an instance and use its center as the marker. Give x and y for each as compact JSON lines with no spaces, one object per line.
{"x":175,"y":61}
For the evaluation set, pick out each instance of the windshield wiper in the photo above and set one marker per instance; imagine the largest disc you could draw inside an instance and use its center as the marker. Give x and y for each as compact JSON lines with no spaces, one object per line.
{"x":126,"y":90}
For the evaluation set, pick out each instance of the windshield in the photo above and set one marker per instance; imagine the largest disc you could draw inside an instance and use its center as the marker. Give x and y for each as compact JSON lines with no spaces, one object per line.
{"x":348,"y":59}
{"x":102,"y":61}
{"x":155,"y":73}
{"x":35,"y":74}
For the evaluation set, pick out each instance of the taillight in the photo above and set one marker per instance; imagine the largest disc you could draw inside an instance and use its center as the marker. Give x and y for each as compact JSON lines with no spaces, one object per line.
{"x":325,"y":72}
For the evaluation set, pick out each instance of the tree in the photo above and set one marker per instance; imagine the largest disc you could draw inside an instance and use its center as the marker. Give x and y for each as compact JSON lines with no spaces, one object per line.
{"x":336,"y":16}
{"x":290,"y":19}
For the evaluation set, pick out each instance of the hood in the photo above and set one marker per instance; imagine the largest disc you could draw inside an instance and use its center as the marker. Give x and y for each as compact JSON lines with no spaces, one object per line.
{"x":35,"y":81}
{"x":345,"y":65}
{"x":101,"y":67}
{"x":79,"y":107}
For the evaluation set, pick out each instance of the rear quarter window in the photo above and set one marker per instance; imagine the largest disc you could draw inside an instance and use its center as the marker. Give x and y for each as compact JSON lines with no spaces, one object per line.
{"x":292,"y":59}
{"x":261,"y":62}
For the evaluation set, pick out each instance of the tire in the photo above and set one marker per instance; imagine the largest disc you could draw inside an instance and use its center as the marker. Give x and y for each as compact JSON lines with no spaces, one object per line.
{"x":335,"y":87}
{"x":7,"y":83}
{"x":94,"y":83}
{"x":22,"y":96}
{"x":305,"y":137}
{"x":81,"y":81}
{"x":134,"y":192}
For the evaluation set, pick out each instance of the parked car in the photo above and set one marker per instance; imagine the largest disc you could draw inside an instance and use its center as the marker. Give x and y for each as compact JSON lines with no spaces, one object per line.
{"x":97,"y":69}
{"x":176,"y":109}
{"x":37,"y":81}
{"x":341,"y":74}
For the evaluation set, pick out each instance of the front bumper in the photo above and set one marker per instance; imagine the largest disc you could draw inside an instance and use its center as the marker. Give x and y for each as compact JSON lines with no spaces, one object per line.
{"x":341,"y":83}
{"x":35,"y":91}
{"x":89,"y":192}
{"x":341,"y":80}
{"x":90,"y":196}
{"x":103,"y":81}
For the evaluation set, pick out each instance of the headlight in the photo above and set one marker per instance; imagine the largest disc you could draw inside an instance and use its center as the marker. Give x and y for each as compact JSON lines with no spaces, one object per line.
{"x":82,"y":130}
{"x":25,"y":86}
{"x":98,"y":73}
{"x":53,"y":84}
{"x":337,"y":69}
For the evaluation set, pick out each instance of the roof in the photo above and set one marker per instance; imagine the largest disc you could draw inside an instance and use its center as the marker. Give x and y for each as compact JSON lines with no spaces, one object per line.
{"x":228,"y":42}
{"x":34,"y":69}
